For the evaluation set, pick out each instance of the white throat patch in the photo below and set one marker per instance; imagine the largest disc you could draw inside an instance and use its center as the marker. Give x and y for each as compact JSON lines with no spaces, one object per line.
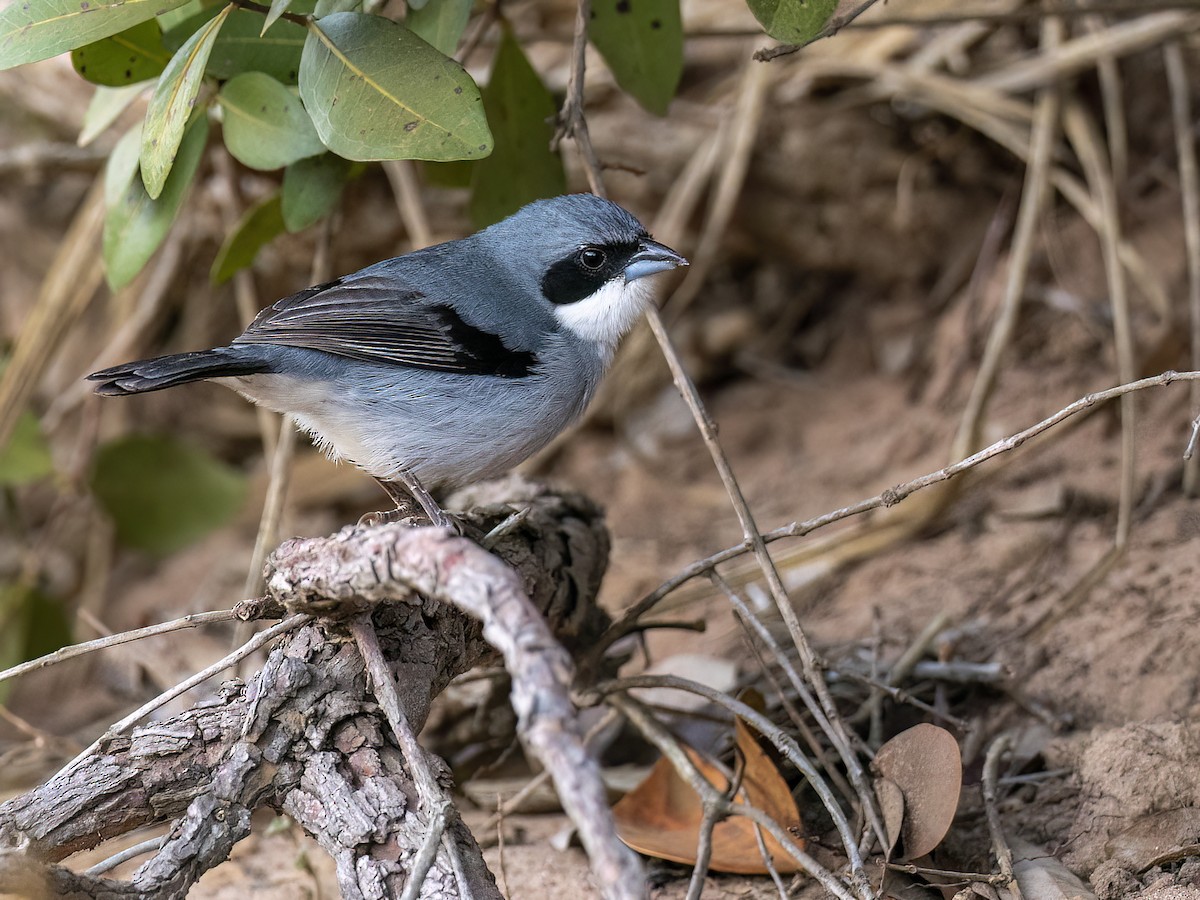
{"x":604,"y":317}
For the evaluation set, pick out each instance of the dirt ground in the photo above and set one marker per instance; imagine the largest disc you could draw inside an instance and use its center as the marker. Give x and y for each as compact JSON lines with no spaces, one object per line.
{"x":830,"y":383}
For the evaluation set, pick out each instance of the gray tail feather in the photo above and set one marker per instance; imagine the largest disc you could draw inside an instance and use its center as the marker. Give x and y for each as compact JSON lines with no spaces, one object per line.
{"x":180,"y":368}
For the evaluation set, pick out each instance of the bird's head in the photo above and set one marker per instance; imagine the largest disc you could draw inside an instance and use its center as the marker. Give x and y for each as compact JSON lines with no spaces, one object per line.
{"x":590,"y":260}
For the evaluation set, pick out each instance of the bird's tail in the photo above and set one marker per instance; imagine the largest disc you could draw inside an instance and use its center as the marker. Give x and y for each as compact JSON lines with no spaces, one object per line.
{"x":180,"y":368}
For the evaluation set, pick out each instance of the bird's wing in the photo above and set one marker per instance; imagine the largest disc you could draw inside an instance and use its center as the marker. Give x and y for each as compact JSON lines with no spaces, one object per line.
{"x":370,"y":318}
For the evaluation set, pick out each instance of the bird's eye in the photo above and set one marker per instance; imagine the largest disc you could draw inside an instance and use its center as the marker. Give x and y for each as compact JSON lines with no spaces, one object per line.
{"x":592,"y":258}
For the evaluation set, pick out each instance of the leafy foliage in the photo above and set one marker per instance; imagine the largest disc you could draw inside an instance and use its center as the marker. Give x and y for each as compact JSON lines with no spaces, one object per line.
{"x":377,"y":91}
{"x":795,"y":21}
{"x":265,"y":124}
{"x":133,"y":55}
{"x":163,"y":494}
{"x":522,"y":167}
{"x":642,"y":42}
{"x":261,"y":224}
{"x":26,"y":456}
{"x":31,"y":625}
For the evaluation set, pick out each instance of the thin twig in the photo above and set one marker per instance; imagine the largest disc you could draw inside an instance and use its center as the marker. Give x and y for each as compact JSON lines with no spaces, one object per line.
{"x":113,"y":640}
{"x":147,"y":846}
{"x":1179,"y":83}
{"x":259,"y":640}
{"x":429,"y":850}
{"x":991,"y":766}
{"x":670,"y":748}
{"x":890,"y":497}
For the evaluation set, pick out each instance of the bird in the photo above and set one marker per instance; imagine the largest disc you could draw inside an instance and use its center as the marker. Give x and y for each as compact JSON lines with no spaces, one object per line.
{"x":447,"y":365}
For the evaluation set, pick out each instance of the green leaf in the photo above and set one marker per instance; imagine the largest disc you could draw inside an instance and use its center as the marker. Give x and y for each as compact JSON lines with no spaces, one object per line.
{"x":377,"y":91}
{"x":278,"y":8}
{"x":312,"y":188}
{"x":265,"y":125}
{"x":136,"y":224}
{"x":133,"y":55}
{"x":106,"y":107}
{"x":794,"y":21}
{"x":522,"y":167}
{"x":329,"y":7}
{"x":440,"y":24}
{"x":121,"y":166}
{"x":163,"y":494}
{"x":26,"y":457}
{"x":258,"y":227}
{"x":172,"y":104}
{"x":175,"y":22}
{"x":31,"y":625}
{"x":642,"y":42}
{"x":243,"y":47}
{"x":38,"y":29}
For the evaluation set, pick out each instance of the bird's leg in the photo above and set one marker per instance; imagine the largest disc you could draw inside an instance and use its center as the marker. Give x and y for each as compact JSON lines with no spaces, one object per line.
{"x":416,"y":491}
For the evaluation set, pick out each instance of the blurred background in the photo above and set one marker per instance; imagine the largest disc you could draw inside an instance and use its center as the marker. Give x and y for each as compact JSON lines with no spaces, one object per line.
{"x":852,"y":213}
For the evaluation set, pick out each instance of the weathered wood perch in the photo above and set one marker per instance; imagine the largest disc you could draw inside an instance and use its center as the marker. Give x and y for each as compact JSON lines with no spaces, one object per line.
{"x":307,"y":736}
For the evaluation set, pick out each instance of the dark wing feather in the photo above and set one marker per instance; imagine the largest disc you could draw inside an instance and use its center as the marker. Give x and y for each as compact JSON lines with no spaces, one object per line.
{"x":367,"y":318}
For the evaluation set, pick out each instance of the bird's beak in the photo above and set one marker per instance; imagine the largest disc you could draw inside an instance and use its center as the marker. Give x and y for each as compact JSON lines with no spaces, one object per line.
{"x":650,"y":259}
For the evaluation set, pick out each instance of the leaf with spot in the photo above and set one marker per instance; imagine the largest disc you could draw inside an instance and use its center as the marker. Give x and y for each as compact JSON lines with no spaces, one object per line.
{"x":136,"y":223}
{"x":794,"y":21}
{"x":265,"y":125}
{"x":522,"y":168}
{"x":38,"y":29}
{"x":642,"y":43}
{"x":133,"y":55}
{"x":172,"y":104}
{"x":106,"y":107}
{"x":258,"y":227}
{"x":312,"y":188}
{"x":242,"y":46}
{"x":377,"y":91}
{"x":163,"y":494}
{"x":440,"y":24}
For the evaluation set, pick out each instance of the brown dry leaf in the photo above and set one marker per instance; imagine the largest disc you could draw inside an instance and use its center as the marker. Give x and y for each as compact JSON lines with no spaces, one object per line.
{"x":924,"y":762}
{"x":1157,"y":838}
{"x":661,"y":817}
{"x":891,"y":805}
{"x":1043,"y":877}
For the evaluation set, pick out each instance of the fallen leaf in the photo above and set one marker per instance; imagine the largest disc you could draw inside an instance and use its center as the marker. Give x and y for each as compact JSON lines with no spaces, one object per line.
{"x":1157,"y":838}
{"x":925,"y":764}
{"x":661,"y":817}
{"x":891,"y":804}
{"x":1042,"y":877}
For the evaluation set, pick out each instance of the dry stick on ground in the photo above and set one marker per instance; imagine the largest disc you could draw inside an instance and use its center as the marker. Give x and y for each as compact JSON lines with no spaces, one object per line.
{"x":572,"y":121}
{"x":888,"y":498}
{"x":991,"y":766}
{"x":1189,"y":184}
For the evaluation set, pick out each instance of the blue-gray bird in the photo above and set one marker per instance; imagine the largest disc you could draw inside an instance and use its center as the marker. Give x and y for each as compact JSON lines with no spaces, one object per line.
{"x":446,"y":365}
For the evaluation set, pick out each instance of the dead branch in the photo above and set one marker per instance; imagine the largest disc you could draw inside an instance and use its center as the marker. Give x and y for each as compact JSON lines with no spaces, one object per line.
{"x":305,"y":736}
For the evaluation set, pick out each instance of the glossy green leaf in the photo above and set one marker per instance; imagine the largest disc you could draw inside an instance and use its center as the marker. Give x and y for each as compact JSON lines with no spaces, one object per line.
{"x":136,"y":224}
{"x":163,"y":494}
{"x":258,"y":227}
{"x":441,"y":23}
{"x":106,"y":107}
{"x":642,"y":42}
{"x":522,"y":167}
{"x":377,"y":91}
{"x":37,"y":29}
{"x":794,"y":21}
{"x":312,"y":188}
{"x":172,"y":104}
{"x":133,"y":55}
{"x":265,"y":125}
{"x":26,"y":456}
{"x":241,"y":47}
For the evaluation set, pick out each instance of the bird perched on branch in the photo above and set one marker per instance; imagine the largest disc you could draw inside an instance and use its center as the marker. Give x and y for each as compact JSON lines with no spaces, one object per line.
{"x":447,"y":365}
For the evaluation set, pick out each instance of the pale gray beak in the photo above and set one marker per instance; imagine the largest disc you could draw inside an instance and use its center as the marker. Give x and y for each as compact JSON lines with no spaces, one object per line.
{"x":650,"y":259}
